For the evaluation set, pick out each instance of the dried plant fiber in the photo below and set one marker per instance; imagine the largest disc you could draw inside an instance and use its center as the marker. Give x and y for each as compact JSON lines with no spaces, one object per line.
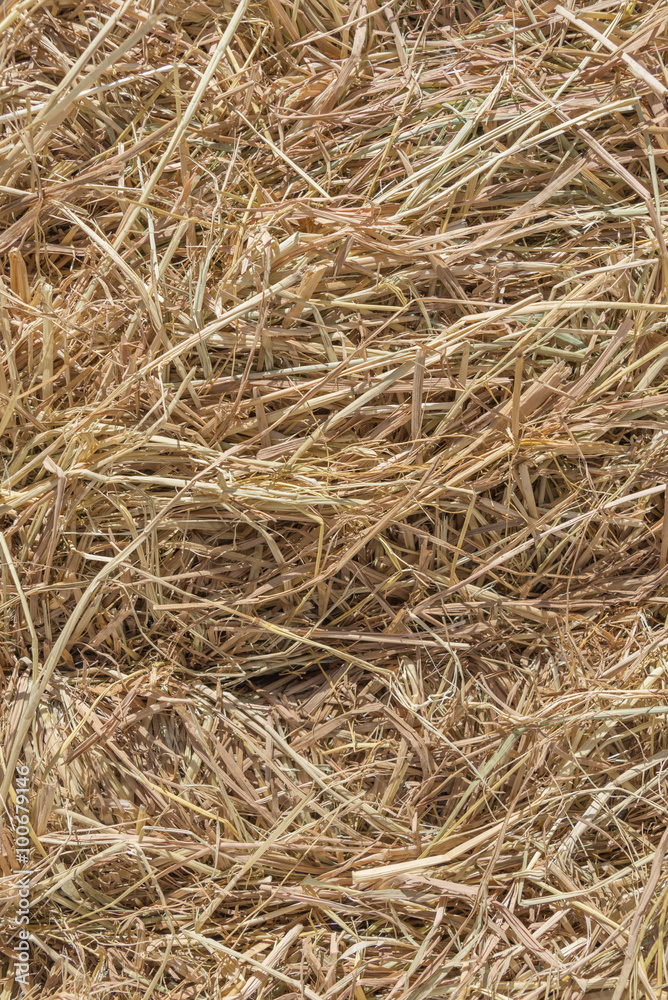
{"x":333,"y":536}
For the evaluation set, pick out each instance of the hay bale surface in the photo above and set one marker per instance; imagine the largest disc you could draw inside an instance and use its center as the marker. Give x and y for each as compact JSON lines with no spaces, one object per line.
{"x":334,"y":556}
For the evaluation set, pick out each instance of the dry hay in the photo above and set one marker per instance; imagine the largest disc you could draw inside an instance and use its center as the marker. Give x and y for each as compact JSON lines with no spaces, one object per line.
{"x":334,"y":450}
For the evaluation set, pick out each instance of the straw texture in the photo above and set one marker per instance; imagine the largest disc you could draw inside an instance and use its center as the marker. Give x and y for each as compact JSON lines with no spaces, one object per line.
{"x":333,"y":542}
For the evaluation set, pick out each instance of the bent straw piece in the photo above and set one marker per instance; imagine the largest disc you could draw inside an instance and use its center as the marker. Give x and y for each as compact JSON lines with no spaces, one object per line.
{"x":633,"y":65}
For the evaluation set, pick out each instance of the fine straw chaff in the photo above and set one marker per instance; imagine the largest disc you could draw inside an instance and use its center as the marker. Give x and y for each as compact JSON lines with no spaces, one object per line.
{"x":333,"y":545}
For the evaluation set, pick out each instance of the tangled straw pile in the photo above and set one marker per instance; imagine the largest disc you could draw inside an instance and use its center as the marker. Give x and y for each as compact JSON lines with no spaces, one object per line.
{"x":334,"y":556}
